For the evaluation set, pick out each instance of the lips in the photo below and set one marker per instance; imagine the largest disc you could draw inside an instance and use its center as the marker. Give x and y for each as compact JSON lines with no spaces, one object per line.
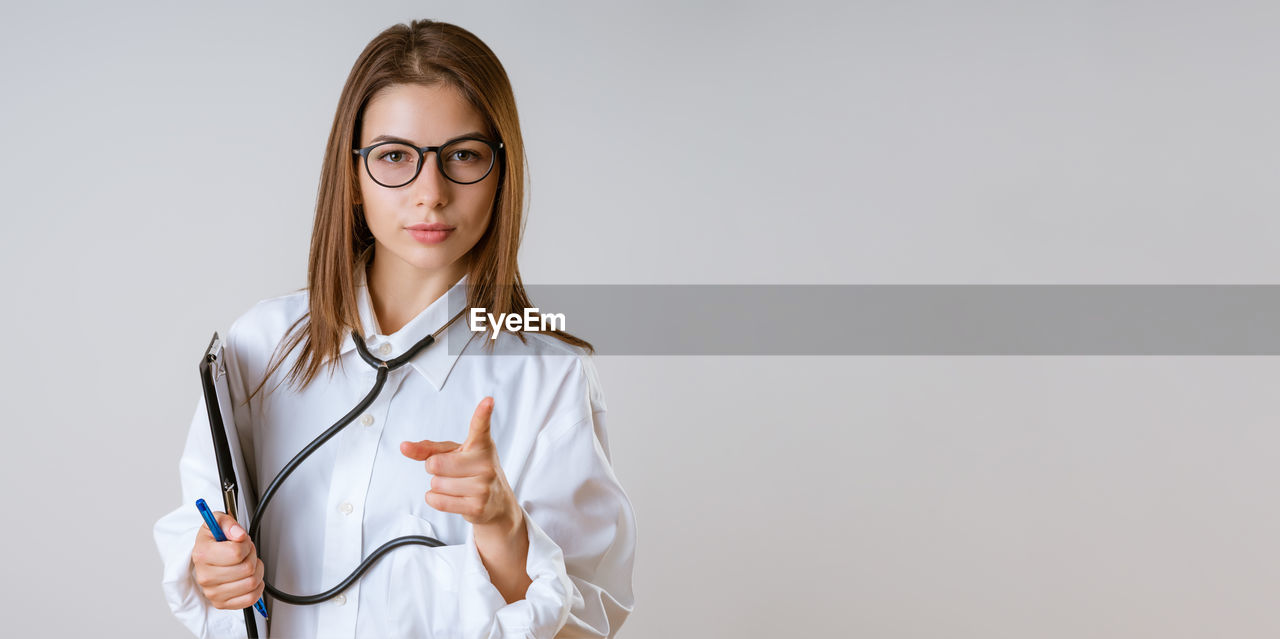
{"x":430,"y":233}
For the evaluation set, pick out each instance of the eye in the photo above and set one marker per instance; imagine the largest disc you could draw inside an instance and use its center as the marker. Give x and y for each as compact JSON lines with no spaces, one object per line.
{"x":464,"y":155}
{"x":394,"y":157}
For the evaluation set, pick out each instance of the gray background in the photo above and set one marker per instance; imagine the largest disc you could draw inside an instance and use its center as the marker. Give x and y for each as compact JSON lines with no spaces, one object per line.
{"x":719,"y":143}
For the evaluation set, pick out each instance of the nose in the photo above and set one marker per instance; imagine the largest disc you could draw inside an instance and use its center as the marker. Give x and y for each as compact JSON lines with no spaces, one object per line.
{"x":431,"y":186}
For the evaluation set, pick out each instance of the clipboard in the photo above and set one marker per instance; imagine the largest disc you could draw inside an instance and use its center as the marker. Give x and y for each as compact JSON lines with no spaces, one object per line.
{"x":239,"y":497}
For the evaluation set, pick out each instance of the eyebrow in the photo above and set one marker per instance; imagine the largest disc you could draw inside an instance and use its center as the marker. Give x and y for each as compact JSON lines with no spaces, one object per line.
{"x":393,"y":138}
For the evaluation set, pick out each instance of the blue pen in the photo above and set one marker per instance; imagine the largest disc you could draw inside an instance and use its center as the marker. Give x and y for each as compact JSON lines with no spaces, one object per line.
{"x":260,"y":606}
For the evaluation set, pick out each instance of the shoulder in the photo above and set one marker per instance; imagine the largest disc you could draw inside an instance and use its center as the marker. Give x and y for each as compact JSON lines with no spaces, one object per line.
{"x":582,"y":366}
{"x":569,"y":368}
{"x":256,"y":333}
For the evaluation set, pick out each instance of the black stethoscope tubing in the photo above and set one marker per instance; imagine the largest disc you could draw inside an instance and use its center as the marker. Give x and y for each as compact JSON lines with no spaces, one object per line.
{"x":383,"y":368}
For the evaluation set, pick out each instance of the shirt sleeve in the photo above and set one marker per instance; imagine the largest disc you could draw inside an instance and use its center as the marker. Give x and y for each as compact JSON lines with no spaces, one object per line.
{"x":175,"y":532}
{"x":581,"y":536}
{"x":175,"y":535}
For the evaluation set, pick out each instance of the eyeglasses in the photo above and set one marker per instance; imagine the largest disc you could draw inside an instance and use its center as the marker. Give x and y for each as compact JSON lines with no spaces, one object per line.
{"x":462,"y":161}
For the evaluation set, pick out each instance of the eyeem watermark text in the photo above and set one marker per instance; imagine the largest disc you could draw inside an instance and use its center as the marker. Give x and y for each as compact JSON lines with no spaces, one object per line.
{"x":531,"y":320}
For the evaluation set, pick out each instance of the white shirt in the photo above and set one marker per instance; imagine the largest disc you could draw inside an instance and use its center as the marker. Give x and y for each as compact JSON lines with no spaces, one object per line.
{"x":358,"y":491}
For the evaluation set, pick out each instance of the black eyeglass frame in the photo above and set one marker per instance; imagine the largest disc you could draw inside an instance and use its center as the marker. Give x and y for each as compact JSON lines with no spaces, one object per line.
{"x":498,"y":149}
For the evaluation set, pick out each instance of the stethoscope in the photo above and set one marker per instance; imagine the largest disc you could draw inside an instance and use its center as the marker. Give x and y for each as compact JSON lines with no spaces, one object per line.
{"x":383,"y":368}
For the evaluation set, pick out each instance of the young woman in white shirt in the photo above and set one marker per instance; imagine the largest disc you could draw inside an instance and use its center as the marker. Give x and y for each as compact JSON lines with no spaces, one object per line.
{"x":495,"y":447}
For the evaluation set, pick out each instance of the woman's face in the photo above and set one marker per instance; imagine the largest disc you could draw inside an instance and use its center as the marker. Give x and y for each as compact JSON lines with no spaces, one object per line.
{"x":424,"y":116}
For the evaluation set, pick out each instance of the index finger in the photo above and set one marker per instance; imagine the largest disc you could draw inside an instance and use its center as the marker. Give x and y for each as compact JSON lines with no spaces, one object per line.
{"x":478,"y":432}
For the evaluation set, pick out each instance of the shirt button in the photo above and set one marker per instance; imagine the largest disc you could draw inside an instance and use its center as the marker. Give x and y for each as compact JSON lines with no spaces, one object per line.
{"x":385,"y":349}
{"x":346,"y":508}
{"x":367,"y":420}
{"x":340,"y":599}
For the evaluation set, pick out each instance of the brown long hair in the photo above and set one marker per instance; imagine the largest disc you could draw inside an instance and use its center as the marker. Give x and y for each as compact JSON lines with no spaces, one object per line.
{"x":429,"y":53}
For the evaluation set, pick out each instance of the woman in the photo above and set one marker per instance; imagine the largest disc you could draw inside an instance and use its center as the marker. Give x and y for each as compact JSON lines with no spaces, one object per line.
{"x":539,"y":536}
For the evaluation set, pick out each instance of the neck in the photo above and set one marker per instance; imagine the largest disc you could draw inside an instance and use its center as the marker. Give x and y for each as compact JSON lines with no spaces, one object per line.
{"x":400,"y":291}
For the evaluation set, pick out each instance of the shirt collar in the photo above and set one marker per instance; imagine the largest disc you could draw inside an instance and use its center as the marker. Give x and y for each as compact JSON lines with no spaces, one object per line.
{"x":433,"y":362}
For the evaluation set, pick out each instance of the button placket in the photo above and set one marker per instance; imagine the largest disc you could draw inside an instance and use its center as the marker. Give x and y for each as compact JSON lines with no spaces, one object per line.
{"x":352,"y":473}
{"x":344,"y":528}
{"x":376,"y":414}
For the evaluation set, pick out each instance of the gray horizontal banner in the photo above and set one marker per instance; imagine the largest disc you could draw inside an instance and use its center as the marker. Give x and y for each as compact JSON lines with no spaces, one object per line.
{"x":643,"y":319}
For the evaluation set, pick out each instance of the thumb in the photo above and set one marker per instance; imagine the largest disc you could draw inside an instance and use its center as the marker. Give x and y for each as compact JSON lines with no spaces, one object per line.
{"x":423,"y":449}
{"x":478,"y":434}
{"x":228,"y":525}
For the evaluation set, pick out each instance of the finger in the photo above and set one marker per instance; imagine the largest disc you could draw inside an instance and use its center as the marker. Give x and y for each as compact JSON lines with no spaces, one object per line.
{"x":460,"y":464}
{"x":458,"y":486}
{"x":426,"y":448}
{"x":222,"y":553}
{"x":478,"y":434}
{"x":241,"y":588}
{"x":235,"y":533}
{"x":464,"y":506}
{"x":242,"y":602}
{"x":220,"y":575}
{"x":225,"y":554}
{"x":261,"y":575}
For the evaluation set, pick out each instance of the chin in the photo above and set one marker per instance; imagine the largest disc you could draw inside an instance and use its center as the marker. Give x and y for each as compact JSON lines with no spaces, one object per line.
{"x":429,"y":259}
